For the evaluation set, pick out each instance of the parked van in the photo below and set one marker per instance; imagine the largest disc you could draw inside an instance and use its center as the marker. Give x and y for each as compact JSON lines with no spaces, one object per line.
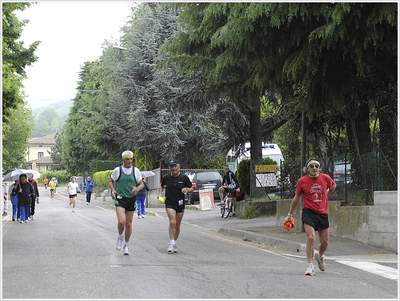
{"x":269,"y":150}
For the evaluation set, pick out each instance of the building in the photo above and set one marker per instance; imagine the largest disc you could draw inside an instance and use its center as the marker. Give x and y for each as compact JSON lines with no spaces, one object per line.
{"x":38,"y":155}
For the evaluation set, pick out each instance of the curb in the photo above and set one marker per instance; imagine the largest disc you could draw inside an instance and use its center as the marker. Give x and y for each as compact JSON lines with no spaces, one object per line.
{"x":264,"y":239}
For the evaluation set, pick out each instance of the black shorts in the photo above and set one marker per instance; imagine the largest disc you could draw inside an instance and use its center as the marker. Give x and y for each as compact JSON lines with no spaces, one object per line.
{"x":175,"y":205}
{"x":129,"y":204}
{"x":72,"y":196}
{"x":316,"y":220}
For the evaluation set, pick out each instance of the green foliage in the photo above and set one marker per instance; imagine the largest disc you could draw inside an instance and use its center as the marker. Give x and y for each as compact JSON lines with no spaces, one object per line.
{"x":249,"y":213}
{"x":16,"y":134}
{"x":102,"y":165}
{"x":63,"y":177}
{"x":101,"y":177}
{"x":243,"y":175}
{"x":48,"y":122}
{"x":15,"y":57}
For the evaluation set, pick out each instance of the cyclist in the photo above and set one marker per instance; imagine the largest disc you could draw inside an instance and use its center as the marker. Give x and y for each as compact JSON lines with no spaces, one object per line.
{"x":229,"y":180}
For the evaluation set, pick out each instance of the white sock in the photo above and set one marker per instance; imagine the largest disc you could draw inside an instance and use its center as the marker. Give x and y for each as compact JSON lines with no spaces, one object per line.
{"x":126,"y":243}
{"x":121,"y":236}
{"x":310,"y":264}
{"x":173,"y":242}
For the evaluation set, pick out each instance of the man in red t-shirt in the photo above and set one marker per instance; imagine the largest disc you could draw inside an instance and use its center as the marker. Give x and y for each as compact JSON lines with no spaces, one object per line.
{"x":315,"y":188}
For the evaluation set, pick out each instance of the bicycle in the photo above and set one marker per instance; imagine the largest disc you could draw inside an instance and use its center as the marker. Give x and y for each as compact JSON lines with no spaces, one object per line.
{"x":226,"y":206}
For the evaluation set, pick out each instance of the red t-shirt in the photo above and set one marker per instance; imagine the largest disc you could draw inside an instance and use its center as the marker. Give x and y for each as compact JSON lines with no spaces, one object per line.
{"x":314,"y":190}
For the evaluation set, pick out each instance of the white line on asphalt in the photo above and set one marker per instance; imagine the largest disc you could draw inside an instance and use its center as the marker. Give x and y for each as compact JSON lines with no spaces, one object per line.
{"x":250,"y":246}
{"x":374,"y":268}
{"x":102,"y":208}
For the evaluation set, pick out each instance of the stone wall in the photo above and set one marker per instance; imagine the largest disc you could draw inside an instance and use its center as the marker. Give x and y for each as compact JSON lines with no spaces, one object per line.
{"x":374,"y":225}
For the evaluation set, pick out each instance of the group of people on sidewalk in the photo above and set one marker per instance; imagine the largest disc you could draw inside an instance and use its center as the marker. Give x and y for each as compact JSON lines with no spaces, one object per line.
{"x":24,"y":194}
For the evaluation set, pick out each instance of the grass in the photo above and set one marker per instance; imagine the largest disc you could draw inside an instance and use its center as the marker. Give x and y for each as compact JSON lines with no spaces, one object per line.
{"x":249,"y":213}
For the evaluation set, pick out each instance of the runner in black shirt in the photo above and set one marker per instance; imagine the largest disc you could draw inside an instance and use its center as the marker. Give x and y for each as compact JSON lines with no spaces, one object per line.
{"x":176,"y":185}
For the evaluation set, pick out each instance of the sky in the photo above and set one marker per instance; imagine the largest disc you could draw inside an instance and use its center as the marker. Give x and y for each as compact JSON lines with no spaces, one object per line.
{"x":71,"y":33}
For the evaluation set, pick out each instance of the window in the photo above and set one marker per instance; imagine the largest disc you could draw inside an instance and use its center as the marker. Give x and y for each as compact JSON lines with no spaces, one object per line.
{"x":40,"y":155}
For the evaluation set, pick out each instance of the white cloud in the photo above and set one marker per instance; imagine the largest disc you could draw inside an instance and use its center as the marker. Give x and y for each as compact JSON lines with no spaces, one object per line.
{"x":71,"y":33}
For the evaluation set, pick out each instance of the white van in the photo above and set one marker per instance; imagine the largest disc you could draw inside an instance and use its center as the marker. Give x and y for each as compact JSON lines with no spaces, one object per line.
{"x":269,"y":150}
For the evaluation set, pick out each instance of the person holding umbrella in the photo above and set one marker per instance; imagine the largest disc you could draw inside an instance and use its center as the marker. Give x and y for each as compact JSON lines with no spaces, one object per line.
{"x":25,"y":192}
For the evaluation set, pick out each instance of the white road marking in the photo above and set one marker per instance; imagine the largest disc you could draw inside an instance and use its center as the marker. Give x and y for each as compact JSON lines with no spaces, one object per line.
{"x":374,"y":268}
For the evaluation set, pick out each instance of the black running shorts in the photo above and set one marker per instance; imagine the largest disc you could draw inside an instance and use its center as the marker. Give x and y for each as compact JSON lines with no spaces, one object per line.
{"x":316,"y":220}
{"x":178,"y":206}
{"x":129,"y":204}
{"x":71,"y":196}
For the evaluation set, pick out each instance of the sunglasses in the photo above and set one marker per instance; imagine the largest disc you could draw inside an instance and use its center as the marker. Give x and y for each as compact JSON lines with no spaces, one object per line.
{"x":314,"y":166}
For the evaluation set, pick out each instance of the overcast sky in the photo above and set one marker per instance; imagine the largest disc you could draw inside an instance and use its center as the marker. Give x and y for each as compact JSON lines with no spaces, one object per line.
{"x":71,"y":33}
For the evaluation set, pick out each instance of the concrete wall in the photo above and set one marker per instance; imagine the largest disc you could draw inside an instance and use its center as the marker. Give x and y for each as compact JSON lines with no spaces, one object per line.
{"x":375,"y":225}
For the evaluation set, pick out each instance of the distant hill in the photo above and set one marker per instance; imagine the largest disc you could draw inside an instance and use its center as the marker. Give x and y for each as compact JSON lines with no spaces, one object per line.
{"x":50,"y":124}
{"x":62,"y":107}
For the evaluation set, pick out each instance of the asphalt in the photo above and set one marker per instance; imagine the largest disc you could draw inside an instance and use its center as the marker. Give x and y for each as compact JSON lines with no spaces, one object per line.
{"x":262,"y":230}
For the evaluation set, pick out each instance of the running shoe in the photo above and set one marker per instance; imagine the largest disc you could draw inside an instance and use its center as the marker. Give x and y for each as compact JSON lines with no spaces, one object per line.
{"x":310,"y":271}
{"x":73,"y":209}
{"x":119,"y":243}
{"x":175,"y":248}
{"x":320,"y":260}
{"x":170,"y":249}
{"x":126,"y":250}
{"x":142,"y":216}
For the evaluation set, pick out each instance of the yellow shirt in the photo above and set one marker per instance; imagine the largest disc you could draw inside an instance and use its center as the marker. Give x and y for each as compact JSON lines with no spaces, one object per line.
{"x":52,"y":185}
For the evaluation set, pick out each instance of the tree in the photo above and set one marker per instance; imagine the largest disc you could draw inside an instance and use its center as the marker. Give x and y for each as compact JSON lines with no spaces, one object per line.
{"x":16,"y":133}
{"x":336,"y":53}
{"x":15,"y":58}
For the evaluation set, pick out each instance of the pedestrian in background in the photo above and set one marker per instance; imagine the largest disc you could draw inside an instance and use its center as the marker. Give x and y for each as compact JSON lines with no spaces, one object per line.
{"x":13,"y":193}
{"x":45,"y":181}
{"x":315,"y":187}
{"x":176,"y":185}
{"x":141,"y":200}
{"x":35,"y":196}
{"x":25,"y":192}
{"x":125,"y":182}
{"x":73,"y":189}
{"x":52,"y":186}
{"x":88,"y":186}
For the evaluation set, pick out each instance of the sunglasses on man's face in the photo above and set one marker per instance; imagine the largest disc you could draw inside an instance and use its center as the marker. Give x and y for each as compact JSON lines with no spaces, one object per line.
{"x":314,"y":166}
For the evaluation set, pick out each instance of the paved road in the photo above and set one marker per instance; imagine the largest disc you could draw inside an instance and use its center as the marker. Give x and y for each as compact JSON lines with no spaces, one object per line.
{"x":62,"y":254}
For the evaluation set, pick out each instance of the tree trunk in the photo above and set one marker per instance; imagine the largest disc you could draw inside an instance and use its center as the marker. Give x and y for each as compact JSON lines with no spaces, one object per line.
{"x":256,"y":143}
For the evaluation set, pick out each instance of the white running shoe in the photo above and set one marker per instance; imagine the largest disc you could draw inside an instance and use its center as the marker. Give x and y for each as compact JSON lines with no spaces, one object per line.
{"x":119,"y":244}
{"x":309,"y":271}
{"x":175,"y":248}
{"x":142,"y":216}
{"x":126,"y":250}
{"x":170,"y":249}
{"x":321,"y":263}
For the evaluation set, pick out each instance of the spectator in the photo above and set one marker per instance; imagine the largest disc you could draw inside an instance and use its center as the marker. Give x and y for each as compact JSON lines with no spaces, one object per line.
{"x":88,"y":186}
{"x":141,"y":200}
{"x":25,"y":192}
{"x":34,"y":197}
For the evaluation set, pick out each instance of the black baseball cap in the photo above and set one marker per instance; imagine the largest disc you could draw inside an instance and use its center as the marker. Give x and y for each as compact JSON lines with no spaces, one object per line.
{"x":173,"y":162}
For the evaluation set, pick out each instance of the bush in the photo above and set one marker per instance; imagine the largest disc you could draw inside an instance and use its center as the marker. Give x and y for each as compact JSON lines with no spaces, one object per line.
{"x":101,"y":178}
{"x":62,"y":176}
